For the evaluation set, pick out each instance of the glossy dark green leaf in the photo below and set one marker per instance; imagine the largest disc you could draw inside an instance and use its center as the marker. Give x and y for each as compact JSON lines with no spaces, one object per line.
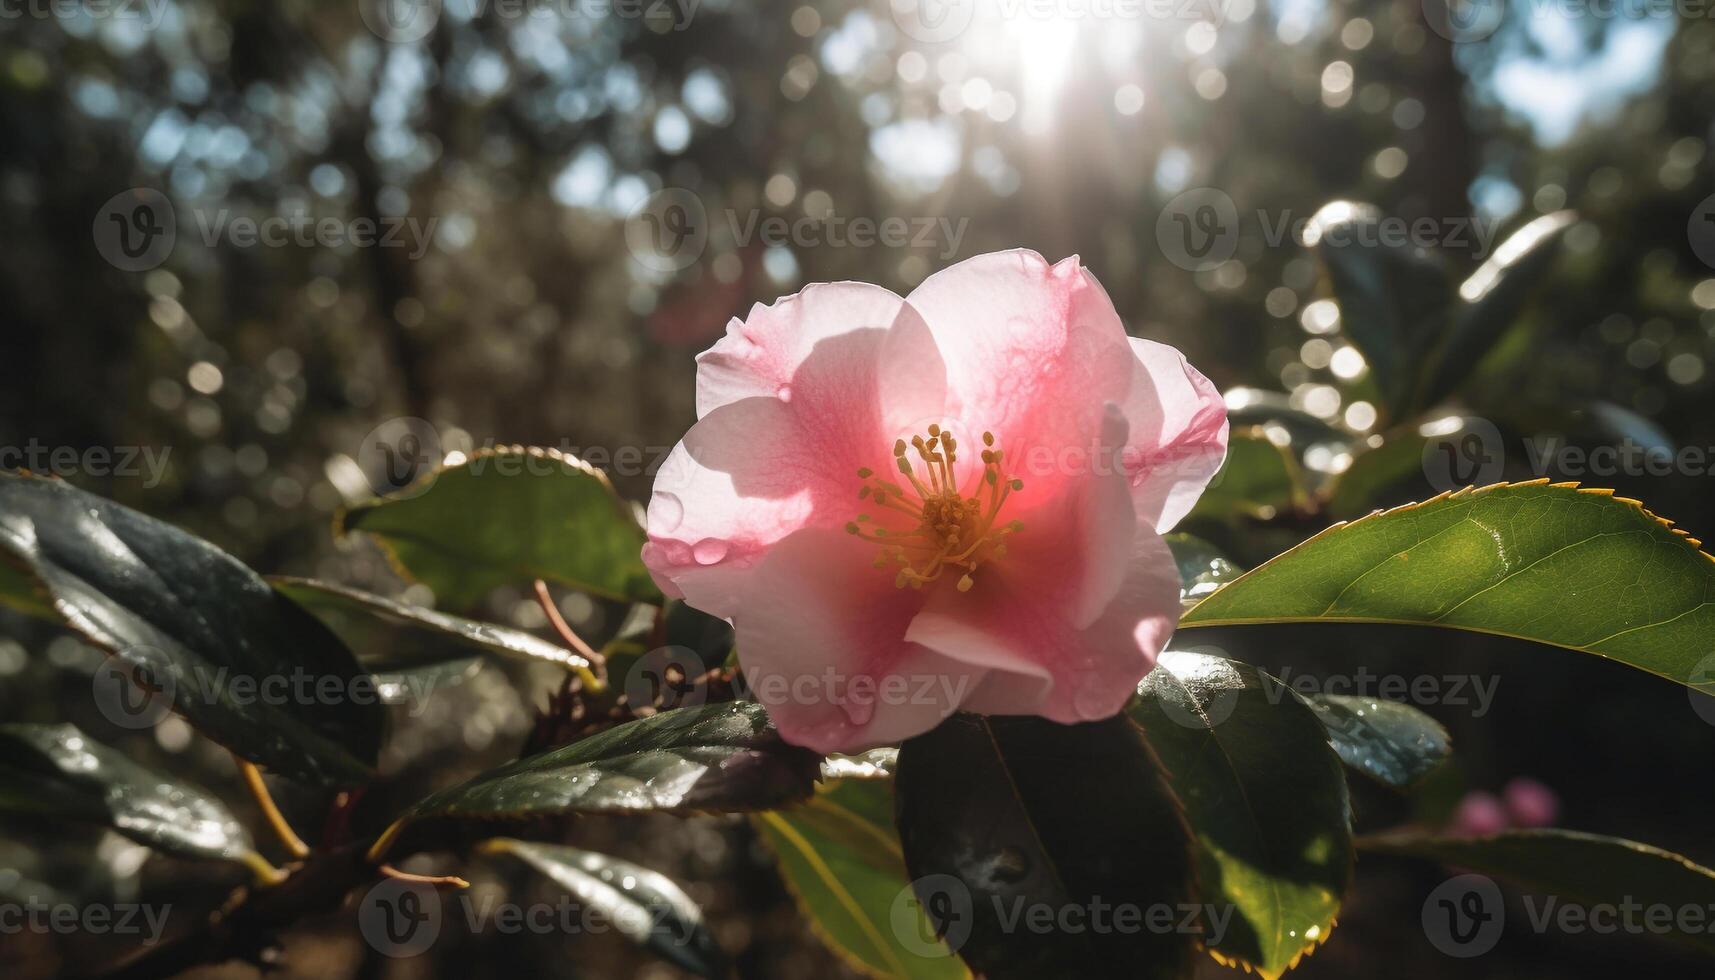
{"x":642,"y":905}
{"x":508,"y":517}
{"x":388,"y":635}
{"x":714,"y":757}
{"x":1202,"y":566}
{"x":1014,"y":827}
{"x":20,"y":590}
{"x":1392,"y":742}
{"x":841,"y":859}
{"x":1394,"y":296}
{"x":1258,"y":479}
{"x":1266,"y":799}
{"x":1552,"y":563}
{"x":1575,"y":868}
{"x":57,"y":773}
{"x":239,"y":661}
{"x":1490,"y":302}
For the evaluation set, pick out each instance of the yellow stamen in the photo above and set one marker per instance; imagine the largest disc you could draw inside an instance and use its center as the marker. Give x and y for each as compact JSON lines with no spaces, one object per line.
{"x":952,"y":528}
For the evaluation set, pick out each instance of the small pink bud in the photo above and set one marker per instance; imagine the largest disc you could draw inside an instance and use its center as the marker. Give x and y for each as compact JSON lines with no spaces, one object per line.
{"x":1530,"y":803}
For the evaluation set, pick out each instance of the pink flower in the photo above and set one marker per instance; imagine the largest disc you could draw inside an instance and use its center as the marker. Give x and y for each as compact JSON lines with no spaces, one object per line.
{"x":1479,"y":814}
{"x":1530,"y":803}
{"x":952,"y":501}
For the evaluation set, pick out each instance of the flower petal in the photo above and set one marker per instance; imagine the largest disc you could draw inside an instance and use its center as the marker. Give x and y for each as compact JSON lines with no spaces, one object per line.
{"x":1178,"y":434}
{"x":1042,"y":661}
{"x":1032,"y":351}
{"x":821,"y":636}
{"x":793,"y":402}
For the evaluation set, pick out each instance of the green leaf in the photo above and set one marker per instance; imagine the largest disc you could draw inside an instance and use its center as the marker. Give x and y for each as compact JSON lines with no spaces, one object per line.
{"x":57,"y":773}
{"x":1266,"y":799}
{"x":644,"y":906}
{"x":200,"y":627}
{"x":1202,"y":566}
{"x":1491,"y":300}
{"x":1392,"y":742}
{"x":508,"y":517}
{"x":1258,"y":479}
{"x":1393,"y":297}
{"x":714,"y":757}
{"x":1577,"y":568}
{"x":1572,"y":867}
{"x":21,"y":591}
{"x":841,"y":859}
{"x":391,"y":636}
{"x":1012,"y":824}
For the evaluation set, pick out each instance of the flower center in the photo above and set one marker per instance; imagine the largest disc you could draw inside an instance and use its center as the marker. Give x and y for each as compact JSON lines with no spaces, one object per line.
{"x":952,"y":528}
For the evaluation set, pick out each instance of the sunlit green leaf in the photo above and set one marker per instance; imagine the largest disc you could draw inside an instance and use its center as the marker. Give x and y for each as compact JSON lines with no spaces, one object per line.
{"x":1266,"y":799}
{"x":841,"y":858}
{"x":1258,"y":479}
{"x":1571,"y":567}
{"x":508,"y":517}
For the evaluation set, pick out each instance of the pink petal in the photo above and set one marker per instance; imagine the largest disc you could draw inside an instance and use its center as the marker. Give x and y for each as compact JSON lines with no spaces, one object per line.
{"x":818,"y":626}
{"x":794,"y":401}
{"x":1033,"y":352}
{"x":1027,"y":617}
{"x":1178,"y":434}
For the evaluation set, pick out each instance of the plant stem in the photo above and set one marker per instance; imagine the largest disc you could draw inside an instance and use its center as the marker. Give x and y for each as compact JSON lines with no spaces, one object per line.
{"x":277,"y":820}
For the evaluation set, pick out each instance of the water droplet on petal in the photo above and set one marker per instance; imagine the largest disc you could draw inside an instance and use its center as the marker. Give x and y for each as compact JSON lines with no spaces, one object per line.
{"x":708,"y":551}
{"x":784,"y":393}
{"x":1092,"y":699}
{"x":666,"y":512}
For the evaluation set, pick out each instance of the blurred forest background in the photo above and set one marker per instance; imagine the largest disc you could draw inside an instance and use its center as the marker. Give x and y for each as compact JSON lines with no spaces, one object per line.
{"x":520,"y":142}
